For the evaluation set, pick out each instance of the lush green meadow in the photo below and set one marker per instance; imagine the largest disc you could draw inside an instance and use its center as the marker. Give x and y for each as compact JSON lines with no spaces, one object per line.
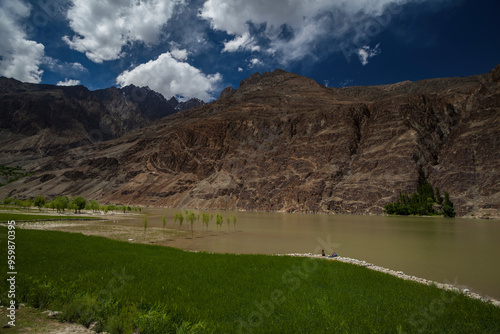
{"x":157,"y":289}
{"x":4,"y":217}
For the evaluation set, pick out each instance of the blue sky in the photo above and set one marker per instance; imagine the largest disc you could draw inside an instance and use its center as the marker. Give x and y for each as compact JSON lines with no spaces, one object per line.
{"x":195,"y":48}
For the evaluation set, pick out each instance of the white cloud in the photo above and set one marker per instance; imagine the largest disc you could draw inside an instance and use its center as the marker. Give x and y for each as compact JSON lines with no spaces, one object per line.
{"x":68,"y":82}
{"x":20,"y":57}
{"x":293,"y":29}
{"x":179,"y":54}
{"x":103,"y":27}
{"x":366,"y":53}
{"x":171,"y":77}
{"x":244,"y":42}
{"x":240,"y":69}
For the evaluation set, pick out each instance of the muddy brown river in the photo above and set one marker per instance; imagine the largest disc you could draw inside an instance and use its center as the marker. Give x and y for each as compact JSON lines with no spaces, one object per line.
{"x":464,"y":252}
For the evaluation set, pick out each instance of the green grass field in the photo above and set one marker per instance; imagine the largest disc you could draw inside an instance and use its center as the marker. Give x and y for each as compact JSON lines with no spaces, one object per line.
{"x":156,"y":289}
{"x":4,"y":217}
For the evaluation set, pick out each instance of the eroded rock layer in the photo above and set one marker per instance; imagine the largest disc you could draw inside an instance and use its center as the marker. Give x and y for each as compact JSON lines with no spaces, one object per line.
{"x":282,"y":142}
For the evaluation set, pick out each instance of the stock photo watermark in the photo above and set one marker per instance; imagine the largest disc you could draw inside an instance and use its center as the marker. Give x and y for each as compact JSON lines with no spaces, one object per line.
{"x":11,"y":272}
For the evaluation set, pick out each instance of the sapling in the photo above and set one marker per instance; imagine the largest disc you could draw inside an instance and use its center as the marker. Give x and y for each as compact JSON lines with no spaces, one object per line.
{"x":145,"y":225}
{"x":219,"y":220}
{"x":164,"y":222}
{"x":205,"y":218}
{"x":191,"y":217}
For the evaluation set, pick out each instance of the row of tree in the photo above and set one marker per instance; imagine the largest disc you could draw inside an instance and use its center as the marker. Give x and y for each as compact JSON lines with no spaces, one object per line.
{"x":426,"y":201}
{"x":63,"y":203}
{"x":205,"y":218}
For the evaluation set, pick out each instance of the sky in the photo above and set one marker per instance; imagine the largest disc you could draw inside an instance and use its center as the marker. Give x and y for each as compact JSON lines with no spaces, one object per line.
{"x":196,"y":48}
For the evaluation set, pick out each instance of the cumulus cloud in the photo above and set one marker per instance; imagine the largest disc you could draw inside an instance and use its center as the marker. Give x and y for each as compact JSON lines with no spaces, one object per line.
{"x":294,"y":29}
{"x":103,"y":27}
{"x":366,"y":53}
{"x":68,"y":82}
{"x":172,"y":77}
{"x":20,"y":57}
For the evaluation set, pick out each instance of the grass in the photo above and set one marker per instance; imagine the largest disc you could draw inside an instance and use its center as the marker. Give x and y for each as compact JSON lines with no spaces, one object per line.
{"x":4,"y":217}
{"x":158,"y":289}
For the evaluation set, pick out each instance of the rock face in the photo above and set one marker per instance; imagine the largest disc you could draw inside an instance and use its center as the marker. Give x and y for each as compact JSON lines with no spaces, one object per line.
{"x":43,"y":120}
{"x":282,"y":142}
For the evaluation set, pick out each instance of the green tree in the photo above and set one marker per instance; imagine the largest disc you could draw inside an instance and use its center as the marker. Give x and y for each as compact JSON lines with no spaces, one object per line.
{"x":79,"y":203}
{"x":39,"y":202}
{"x":219,"y":220}
{"x":191,"y":217}
{"x":61,"y":203}
{"x":94,"y":205}
{"x":205,"y":218}
{"x":234,"y":222}
{"x":179,"y":217}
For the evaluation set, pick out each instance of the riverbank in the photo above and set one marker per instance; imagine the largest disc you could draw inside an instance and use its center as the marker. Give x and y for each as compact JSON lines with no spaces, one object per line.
{"x":402,"y":275}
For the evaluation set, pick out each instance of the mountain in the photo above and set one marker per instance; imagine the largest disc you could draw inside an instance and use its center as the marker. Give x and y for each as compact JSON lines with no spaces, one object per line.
{"x":42,"y":120}
{"x":282,"y":142}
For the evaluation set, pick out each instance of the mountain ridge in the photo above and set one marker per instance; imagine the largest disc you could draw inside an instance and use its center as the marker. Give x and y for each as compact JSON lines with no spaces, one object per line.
{"x":282,"y":142}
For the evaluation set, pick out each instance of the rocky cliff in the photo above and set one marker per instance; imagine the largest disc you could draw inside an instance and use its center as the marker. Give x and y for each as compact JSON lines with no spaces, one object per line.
{"x":42,"y":120}
{"x":282,"y":142}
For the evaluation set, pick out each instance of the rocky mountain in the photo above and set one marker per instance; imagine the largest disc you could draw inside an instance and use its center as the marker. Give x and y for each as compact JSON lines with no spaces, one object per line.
{"x":43,"y":120}
{"x":282,"y":142}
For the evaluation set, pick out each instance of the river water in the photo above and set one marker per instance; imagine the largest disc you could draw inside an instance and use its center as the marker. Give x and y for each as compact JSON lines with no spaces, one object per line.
{"x":464,"y":252}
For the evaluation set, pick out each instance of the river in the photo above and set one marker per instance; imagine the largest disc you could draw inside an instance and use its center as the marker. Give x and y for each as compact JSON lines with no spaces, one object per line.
{"x":464,"y":252}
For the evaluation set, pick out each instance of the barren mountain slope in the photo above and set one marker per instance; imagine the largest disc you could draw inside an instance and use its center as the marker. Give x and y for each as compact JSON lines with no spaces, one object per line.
{"x":282,"y":142}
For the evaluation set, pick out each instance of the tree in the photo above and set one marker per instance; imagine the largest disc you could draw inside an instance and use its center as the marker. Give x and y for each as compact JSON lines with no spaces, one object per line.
{"x":205,"y":218}
{"x":79,"y":203}
{"x":39,"y":202}
{"x":219,"y":220}
{"x":61,"y":203}
{"x":94,"y":205}
{"x":234,"y":222}
{"x":179,"y":217}
{"x":191,"y":217}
